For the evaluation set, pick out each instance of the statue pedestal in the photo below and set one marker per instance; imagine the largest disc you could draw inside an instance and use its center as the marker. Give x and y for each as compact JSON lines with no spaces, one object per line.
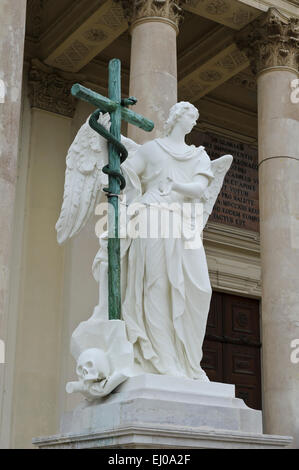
{"x":155,"y":411}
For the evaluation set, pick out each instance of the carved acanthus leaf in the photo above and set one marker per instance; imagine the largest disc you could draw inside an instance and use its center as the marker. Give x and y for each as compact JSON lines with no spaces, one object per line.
{"x":136,"y":9}
{"x":270,"y":41}
{"x":50,"y":89}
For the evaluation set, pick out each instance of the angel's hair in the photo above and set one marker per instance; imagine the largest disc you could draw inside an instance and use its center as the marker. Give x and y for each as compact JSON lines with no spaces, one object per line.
{"x":175,"y":113}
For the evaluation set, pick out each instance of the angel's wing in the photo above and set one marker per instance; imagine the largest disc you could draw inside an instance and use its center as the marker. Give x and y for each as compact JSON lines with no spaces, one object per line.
{"x":220,"y":166}
{"x":83,"y":178}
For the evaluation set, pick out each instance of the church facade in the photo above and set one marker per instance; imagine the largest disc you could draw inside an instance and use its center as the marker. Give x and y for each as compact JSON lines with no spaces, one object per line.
{"x":237,"y":62}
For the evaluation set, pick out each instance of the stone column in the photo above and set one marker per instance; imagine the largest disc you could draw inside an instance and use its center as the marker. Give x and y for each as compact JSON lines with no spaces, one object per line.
{"x":40,"y":333}
{"x":272,"y":45}
{"x":12,"y":30}
{"x":153,"y":74}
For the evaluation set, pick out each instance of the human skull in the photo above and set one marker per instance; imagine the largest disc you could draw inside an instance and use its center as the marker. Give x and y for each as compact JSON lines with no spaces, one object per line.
{"x":92,"y":365}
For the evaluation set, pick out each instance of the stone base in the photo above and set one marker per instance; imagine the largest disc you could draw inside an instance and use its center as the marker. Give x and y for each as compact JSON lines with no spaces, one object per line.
{"x":155,"y":411}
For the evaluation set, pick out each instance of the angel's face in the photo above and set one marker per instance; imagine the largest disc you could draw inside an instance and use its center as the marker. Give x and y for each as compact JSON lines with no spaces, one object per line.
{"x":188,"y":120}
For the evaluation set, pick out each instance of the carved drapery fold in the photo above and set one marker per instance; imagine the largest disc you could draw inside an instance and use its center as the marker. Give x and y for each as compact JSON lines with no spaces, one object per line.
{"x":136,"y":9}
{"x":271,"y":41}
{"x":50,"y":89}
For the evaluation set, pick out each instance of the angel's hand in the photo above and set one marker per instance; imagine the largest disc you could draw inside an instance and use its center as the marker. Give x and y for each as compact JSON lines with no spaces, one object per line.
{"x":166,"y":186}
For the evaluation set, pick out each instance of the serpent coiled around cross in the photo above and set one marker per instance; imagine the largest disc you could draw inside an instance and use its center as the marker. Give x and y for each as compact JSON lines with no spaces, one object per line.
{"x":121,"y":149}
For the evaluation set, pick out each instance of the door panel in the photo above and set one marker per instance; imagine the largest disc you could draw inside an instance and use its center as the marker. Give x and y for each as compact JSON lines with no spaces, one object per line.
{"x":242,"y":368}
{"x":241,"y":319}
{"x":212,"y":362}
{"x":214,"y":323}
{"x":231,"y":350}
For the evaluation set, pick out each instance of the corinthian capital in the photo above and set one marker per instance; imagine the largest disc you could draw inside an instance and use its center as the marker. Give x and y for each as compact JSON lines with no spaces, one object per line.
{"x":136,"y":9}
{"x":50,"y":89}
{"x":271,"y":41}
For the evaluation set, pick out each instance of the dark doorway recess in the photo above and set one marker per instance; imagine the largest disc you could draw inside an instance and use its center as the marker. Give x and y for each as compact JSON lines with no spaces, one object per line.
{"x":231,"y":350}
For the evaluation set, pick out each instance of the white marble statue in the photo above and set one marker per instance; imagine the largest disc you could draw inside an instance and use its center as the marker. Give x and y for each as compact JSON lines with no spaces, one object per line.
{"x":166,"y":290}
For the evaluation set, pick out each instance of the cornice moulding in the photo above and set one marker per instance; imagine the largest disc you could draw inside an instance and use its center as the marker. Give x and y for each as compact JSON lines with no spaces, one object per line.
{"x":233,"y":257}
{"x":288,"y":7}
{"x":230,"y":236}
{"x":206,"y":126}
{"x":214,"y":115}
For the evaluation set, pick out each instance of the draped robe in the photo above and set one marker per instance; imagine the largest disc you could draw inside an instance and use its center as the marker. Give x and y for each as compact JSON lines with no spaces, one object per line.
{"x":166,"y":287}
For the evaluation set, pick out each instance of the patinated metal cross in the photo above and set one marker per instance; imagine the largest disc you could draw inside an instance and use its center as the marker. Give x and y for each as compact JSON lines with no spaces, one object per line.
{"x":116,"y":107}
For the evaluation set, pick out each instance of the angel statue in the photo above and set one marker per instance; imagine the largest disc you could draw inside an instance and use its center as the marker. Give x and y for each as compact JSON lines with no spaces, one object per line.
{"x":166,"y":290}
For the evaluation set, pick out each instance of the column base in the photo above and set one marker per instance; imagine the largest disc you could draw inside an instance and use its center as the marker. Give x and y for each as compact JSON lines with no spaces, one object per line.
{"x":154,"y":411}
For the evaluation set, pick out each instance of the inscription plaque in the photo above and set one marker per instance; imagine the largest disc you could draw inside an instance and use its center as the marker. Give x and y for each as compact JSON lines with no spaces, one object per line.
{"x":237,"y":204}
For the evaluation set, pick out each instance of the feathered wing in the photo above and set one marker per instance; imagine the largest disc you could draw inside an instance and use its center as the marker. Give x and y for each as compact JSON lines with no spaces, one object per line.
{"x":83,"y":179}
{"x":220,"y":166}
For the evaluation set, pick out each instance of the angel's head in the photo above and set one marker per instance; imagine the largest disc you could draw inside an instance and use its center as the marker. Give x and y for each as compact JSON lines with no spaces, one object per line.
{"x":182,"y":113}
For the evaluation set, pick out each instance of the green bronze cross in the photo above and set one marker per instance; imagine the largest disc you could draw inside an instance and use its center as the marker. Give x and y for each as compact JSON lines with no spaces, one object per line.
{"x":116,"y":107}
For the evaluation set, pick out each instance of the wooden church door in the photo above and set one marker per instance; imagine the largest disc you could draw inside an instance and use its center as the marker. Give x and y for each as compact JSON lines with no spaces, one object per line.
{"x":231,"y":350}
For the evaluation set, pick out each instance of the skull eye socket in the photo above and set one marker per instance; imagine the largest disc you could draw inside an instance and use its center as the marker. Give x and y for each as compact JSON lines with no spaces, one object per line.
{"x":89,"y":364}
{"x":79,"y":369}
